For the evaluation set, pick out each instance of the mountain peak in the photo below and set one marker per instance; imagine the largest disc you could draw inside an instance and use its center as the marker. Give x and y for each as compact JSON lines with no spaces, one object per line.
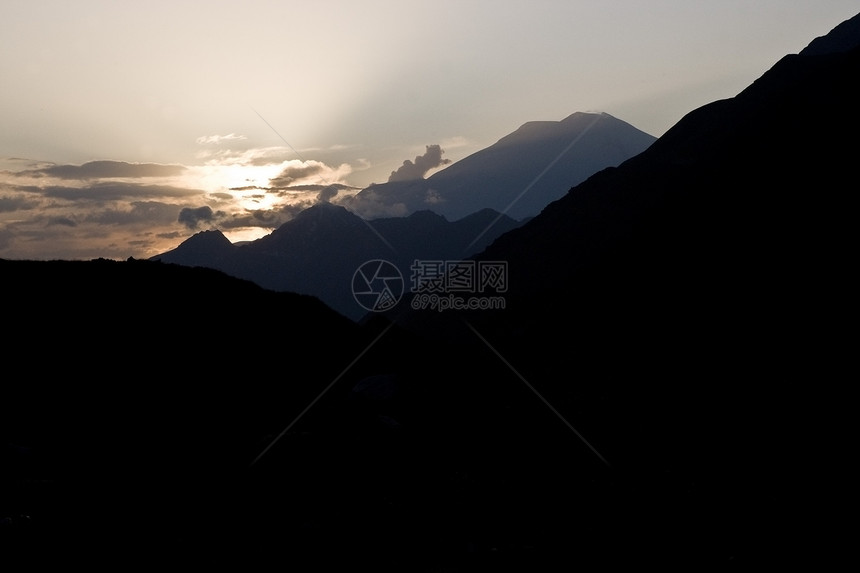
{"x":212,"y":235}
{"x":427,"y":215}
{"x":321,"y":207}
{"x":520,"y":174}
{"x":204,"y":246}
{"x":579,"y":115}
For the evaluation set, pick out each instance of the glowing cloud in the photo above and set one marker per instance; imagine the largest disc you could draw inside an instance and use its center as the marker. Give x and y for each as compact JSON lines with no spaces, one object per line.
{"x":217,"y":139}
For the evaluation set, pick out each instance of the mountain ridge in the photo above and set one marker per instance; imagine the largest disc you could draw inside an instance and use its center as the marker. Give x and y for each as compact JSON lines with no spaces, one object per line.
{"x":519,"y":174}
{"x":319,"y":250}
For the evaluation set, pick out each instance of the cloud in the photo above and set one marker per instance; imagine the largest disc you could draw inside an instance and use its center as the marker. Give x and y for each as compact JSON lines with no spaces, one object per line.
{"x":191,"y":218}
{"x":116,"y":209}
{"x":295,"y":172}
{"x":411,"y":170}
{"x":147,"y":212}
{"x":10,"y":204}
{"x":433,"y":198}
{"x":217,"y":139}
{"x":108,"y":169}
{"x":257,"y":156}
{"x":7,"y":238}
{"x":264,"y":218}
{"x":61,"y":221}
{"x":328,"y":193}
{"x":369,"y":204}
{"x":116,"y":191}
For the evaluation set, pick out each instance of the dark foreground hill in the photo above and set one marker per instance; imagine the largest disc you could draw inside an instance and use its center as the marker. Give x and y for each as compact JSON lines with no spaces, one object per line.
{"x":157,"y":412}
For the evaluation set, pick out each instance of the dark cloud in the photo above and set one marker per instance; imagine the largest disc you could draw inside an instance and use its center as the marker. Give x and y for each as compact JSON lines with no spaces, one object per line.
{"x":150,"y":212}
{"x":327,"y":193}
{"x":6,"y":238}
{"x":411,"y":170}
{"x":116,"y":191}
{"x":287,"y":212}
{"x":12,"y":204}
{"x":191,"y":218}
{"x":171,"y":235}
{"x":259,"y":218}
{"x":62,"y":222}
{"x":265,"y":218}
{"x":294,"y":173}
{"x":105,"y":169}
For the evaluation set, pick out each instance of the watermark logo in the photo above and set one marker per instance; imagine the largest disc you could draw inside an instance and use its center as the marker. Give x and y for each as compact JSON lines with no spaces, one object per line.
{"x":458,"y":285}
{"x":377,"y":285}
{"x":451,"y":277}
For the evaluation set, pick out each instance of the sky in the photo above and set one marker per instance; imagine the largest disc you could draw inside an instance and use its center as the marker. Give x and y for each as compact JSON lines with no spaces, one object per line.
{"x":127,"y":127}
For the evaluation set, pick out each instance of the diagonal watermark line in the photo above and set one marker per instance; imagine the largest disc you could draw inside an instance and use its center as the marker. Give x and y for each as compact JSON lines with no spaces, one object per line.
{"x":378,"y":234}
{"x":324,"y":182}
{"x":321,"y":394}
{"x":538,"y":178}
{"x":538,"y":394}
{"x":299,"y":155}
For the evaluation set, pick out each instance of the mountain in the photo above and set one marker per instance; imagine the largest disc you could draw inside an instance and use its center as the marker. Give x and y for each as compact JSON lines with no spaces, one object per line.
{"x":682,"y":309}
{"x":747,"y":190}
{"x":842,"y":38}
{"x":134,"y":392}
{"x":474,"y":201}
{"x":319,"y":251}
{"x":518,"y":175}
{"x":667,"y":385}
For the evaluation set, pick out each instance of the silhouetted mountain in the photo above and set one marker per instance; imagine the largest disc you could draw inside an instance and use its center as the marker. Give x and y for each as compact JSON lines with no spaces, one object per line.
{"x":206,"y":249}
{"x":98,"y":330}
{"x":133,"y":391}
{"x":843,"y":38}
{"x":745,"y":189}
{"x":518,"y":175}
{"x":680,"y":307}
{"x":658,"y":390}
{"x":319,"y":251}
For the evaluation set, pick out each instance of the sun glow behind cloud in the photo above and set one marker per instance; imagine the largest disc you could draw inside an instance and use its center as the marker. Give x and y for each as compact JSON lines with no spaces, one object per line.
{"x":143,"y":209}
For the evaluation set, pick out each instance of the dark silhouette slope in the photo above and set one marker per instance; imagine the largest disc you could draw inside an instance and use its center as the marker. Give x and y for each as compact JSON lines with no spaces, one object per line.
{"x":680,"y":308}
{"x":136,"y":393}
{"x":745,"y":189}
{"x":679,"y":311}
{"x":116,"y":354}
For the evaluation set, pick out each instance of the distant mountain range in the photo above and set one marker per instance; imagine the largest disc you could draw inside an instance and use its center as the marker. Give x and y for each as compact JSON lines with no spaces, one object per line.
{"x":474,"y":200}
{"x":319,"y":251}
{"x":666,"y":386}
{"x":518,"y":175}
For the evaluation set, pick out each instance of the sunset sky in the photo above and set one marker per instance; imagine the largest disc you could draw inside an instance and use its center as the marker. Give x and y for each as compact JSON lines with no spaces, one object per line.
{"x":126,"y":127}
